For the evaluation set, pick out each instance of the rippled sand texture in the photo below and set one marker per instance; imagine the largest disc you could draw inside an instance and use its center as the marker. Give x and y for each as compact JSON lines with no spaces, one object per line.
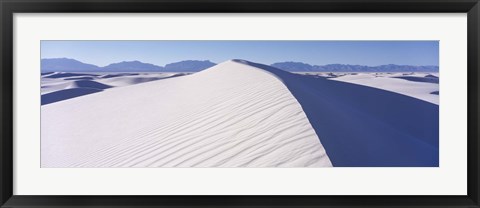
{"x":231,"y":115}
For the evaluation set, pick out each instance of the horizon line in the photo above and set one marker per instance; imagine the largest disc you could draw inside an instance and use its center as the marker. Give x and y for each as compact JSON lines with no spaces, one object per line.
{"x":233,"y":59}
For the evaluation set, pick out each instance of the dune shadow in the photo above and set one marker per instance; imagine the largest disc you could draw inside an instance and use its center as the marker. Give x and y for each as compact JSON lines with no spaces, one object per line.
{"x":84,"y":86}
{"x":426,"y":79}
{"x":118,"y":75}
{"x":137,"y":80}
{"x":79,"y":78}
{"x":67,"y":94}
{"x":65,"y":75}
{"x":46,"y":73}
{"x":75,"y":89}
{"x":88,"y":84}
{"x":361,"y":126}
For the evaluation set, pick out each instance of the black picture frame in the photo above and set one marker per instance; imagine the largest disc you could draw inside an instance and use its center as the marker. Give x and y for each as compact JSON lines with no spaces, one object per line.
{"x":9,"y":7}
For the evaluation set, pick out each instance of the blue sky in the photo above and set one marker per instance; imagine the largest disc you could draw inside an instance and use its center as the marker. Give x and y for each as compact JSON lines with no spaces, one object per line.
{"x":371,"y":53}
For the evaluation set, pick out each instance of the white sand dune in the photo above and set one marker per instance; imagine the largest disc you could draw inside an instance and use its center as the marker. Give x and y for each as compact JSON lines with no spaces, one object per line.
{"x":230,"y":115}
{"x":49,"y":86}
{"x":58,"y":86}
{"x":362,"y":126}
{"x":120,"y":81}
{"x":417,"y":85}
{"x":87,"y":84}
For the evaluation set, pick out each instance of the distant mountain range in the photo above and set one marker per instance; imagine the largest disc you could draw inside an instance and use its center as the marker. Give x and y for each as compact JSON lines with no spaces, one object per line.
{"x":72,"y":65}
{"x":303,"y":67}
{"x":66,"y":65}
{"x":130,"y":66}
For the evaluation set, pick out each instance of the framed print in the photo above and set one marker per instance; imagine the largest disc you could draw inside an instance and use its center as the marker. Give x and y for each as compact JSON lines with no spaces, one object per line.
{"x":239,"y":104}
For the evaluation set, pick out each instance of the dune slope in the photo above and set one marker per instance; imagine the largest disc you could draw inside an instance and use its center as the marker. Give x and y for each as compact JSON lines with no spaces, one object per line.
{"x":58,"y":86}
{"x":230,"y":115}
{"x":362,"y":126}
{"x":413,"y":86}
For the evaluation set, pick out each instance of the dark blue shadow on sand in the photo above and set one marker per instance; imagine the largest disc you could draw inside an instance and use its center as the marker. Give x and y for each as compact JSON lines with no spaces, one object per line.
{"x":66,"y":94}
{"x":429,"y":79}
{"x":362,"y":126}
{"x":85,"y":85}
{"x":78,"y":88}
{"x":65,"y":75}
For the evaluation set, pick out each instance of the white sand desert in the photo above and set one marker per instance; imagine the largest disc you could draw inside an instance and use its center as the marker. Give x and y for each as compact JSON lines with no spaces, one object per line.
{"x":239,"y":114}
{"x":231,"y":115}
